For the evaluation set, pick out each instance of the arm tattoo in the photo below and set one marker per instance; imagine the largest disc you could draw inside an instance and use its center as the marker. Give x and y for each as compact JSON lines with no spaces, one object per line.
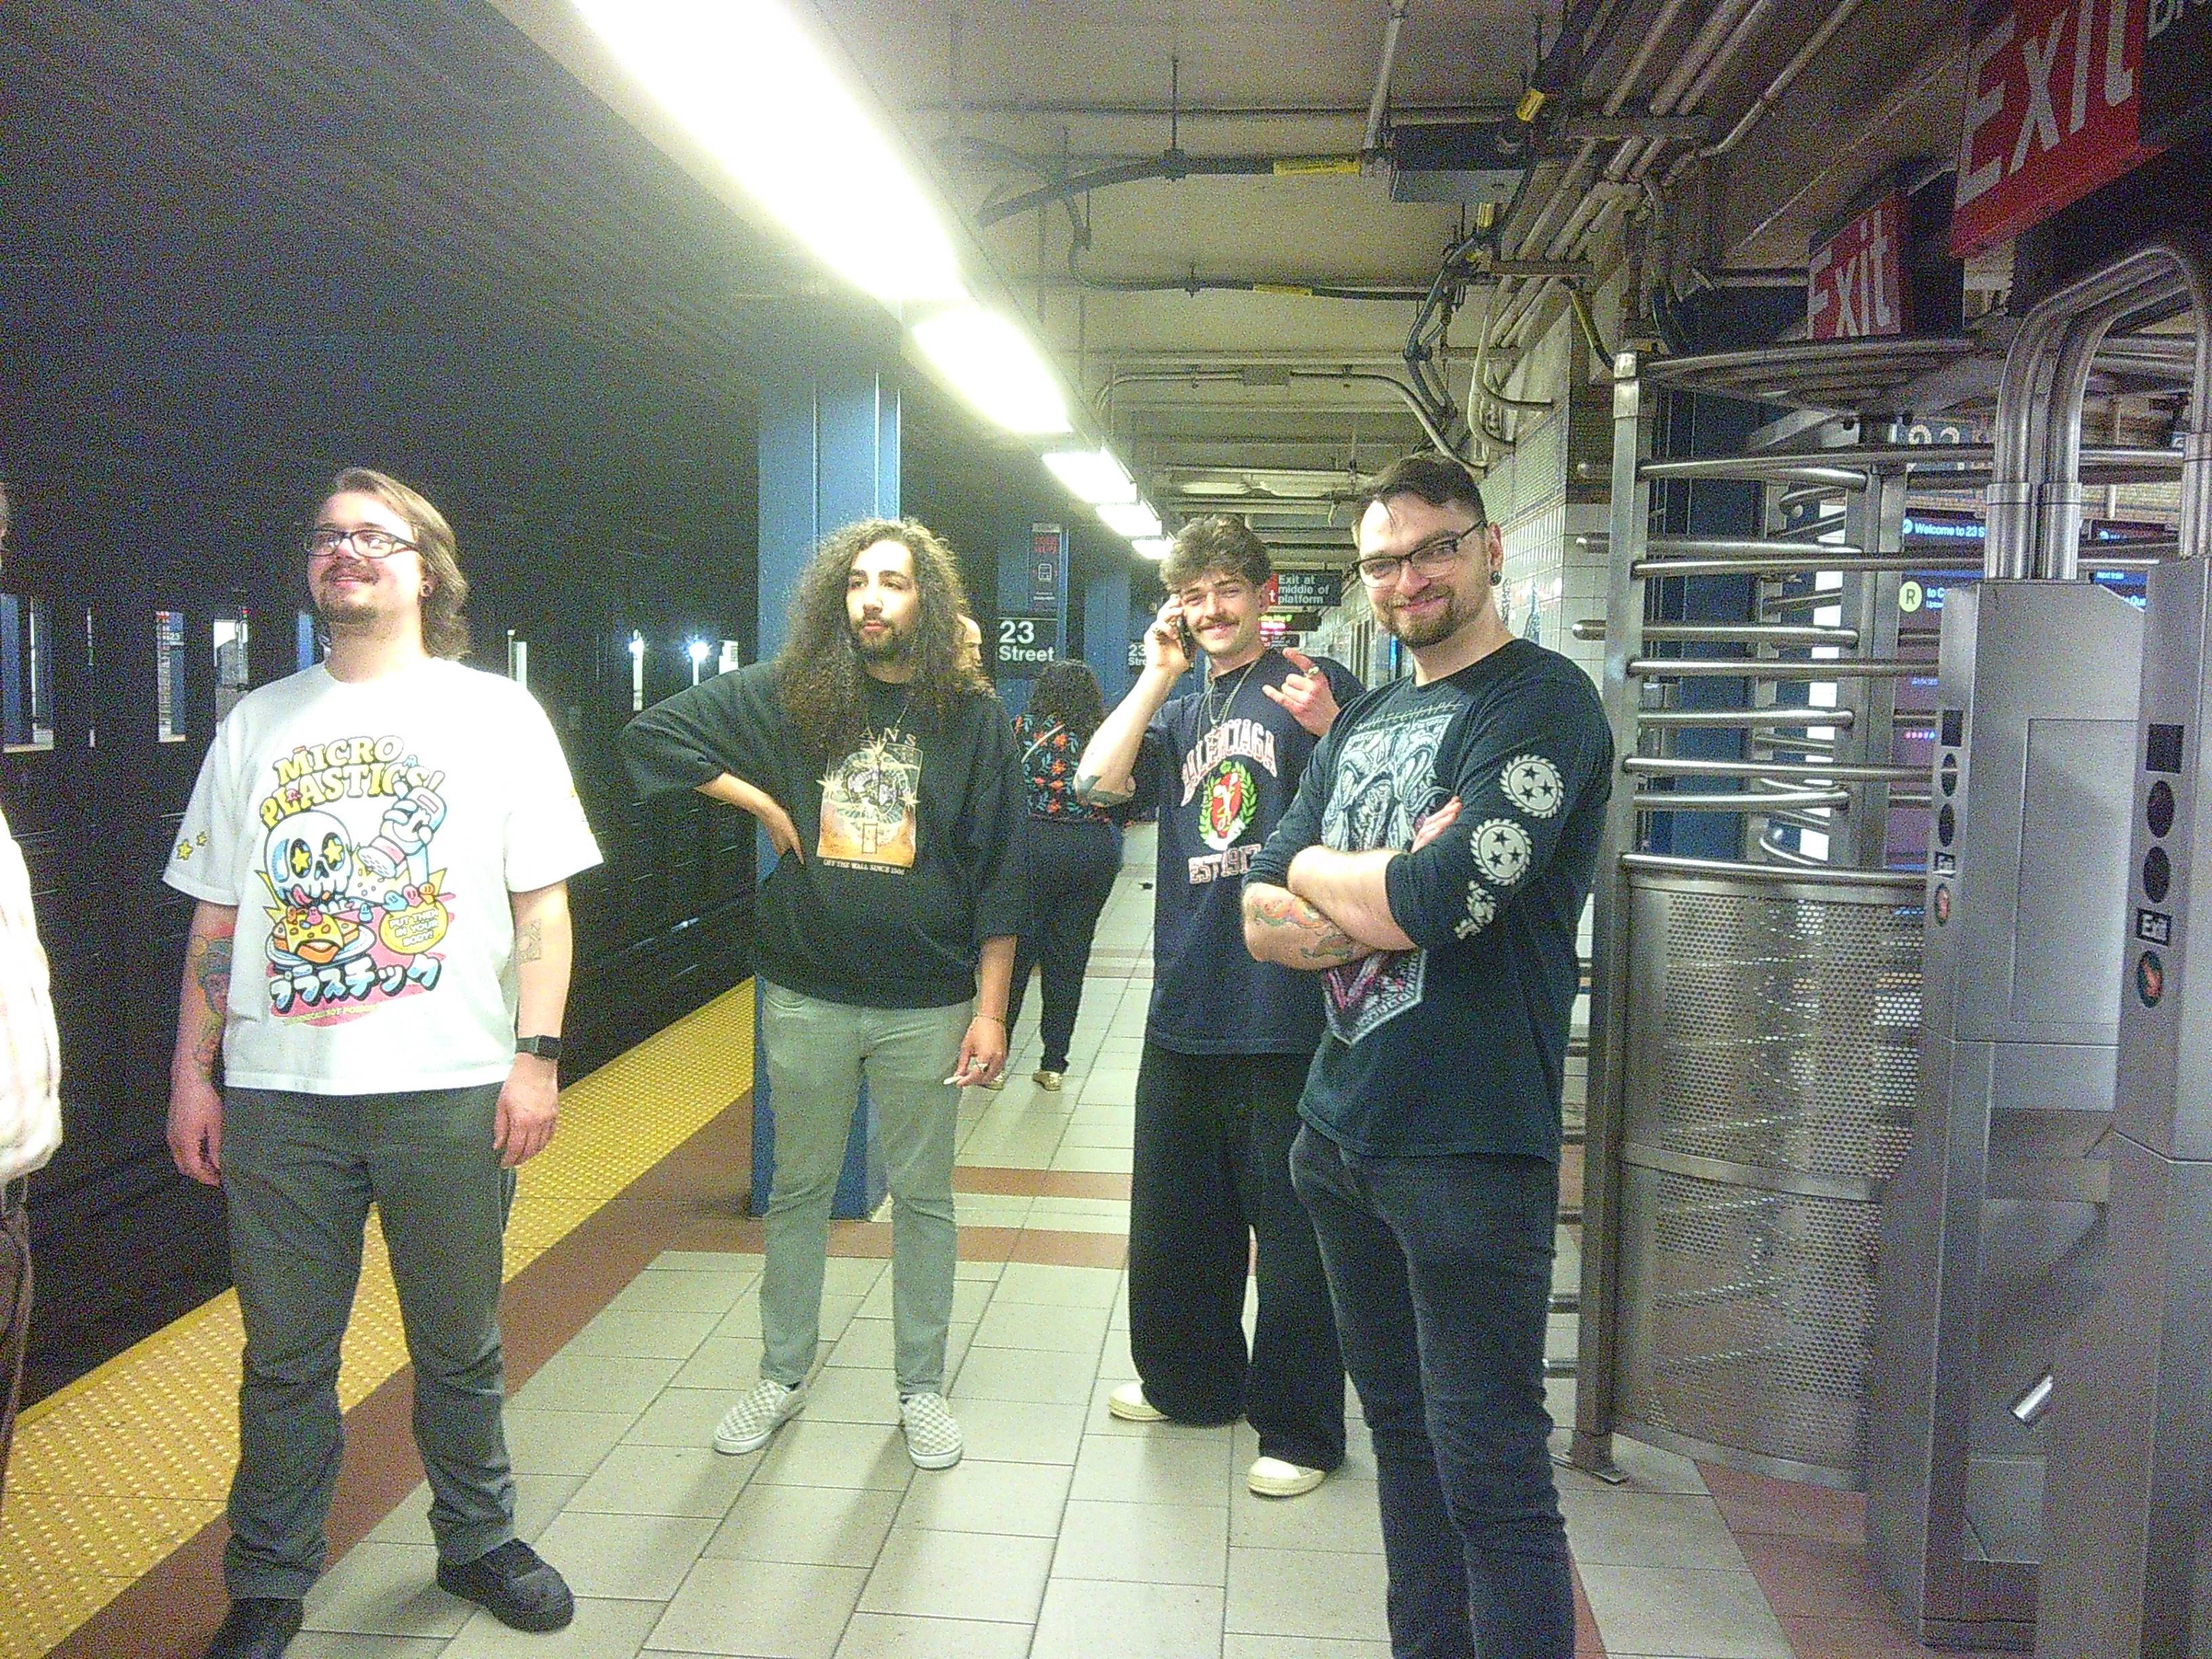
{"x":210,"y":971}
{"x":1091,"y":791}
{"x":530,"y":942}
{"x":1320,"y":941}
{"x":207,"y":1046}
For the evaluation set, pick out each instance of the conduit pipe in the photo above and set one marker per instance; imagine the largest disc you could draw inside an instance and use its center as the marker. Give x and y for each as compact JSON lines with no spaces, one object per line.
{"x":1765,"y":103}
{"x":1721,"y":36}
{"x":1380,"y":103}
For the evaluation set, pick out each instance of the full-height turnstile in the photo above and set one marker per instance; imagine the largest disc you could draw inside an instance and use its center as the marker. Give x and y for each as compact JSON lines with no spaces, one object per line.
{"x":1996,"y":1239}
{"x":2128,"y":1499}
{"x":1755,"y":1020}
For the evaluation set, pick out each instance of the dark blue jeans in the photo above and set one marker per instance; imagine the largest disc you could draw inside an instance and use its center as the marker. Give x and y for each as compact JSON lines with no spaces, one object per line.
{"x":1441,"y":1271}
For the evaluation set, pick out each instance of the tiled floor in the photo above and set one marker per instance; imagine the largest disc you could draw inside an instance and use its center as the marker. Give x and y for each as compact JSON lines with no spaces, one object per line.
{"x":1063,"y":1532}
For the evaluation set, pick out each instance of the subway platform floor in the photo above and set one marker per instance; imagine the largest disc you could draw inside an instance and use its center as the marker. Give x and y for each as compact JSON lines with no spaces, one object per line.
{"x":632,"y":1317}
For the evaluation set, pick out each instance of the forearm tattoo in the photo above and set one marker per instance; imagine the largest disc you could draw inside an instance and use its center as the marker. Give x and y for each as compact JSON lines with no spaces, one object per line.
{"x":1319,"y":942}
{"x":530,"y":942}
{"x":210,"y":971}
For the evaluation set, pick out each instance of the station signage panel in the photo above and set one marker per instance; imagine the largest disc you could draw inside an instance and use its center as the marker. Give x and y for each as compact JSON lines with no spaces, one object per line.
{"x":2052,"y":111}
{"x":1854,"y":285}
{"x":1025,"y":645}
{"x":2177,"y":68}
{"x":1048,"y":566}
{"x":1308,"y":590}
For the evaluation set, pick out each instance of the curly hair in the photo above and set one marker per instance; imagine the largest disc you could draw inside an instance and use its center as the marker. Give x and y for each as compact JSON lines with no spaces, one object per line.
{"x":445,"y":628}
{"x":819,"y":677}
{"x":1218,"y":542}
{"x":1067,"y":694}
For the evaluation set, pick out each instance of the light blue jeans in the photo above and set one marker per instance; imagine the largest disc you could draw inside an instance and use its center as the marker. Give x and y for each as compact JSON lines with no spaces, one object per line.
{"x":818,"y":1055}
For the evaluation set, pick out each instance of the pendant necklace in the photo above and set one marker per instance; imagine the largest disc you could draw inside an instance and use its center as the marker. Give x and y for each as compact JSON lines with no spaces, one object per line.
{"x":1214,"y":715}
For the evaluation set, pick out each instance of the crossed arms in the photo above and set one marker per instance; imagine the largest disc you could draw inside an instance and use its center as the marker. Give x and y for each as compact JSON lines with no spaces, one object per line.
{"x":1336,"y":908}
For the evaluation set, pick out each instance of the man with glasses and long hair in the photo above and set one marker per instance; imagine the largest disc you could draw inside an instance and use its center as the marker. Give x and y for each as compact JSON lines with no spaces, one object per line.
{"x":876,"y":758}
{"x":1432,"y":872}
{"x":379,"y":964}
{"x":1227,"y":1040}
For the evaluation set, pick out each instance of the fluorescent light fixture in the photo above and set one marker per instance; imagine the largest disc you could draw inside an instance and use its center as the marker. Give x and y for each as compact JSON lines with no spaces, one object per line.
{"x":756,"y":89}
{"x":1092,"y":474}
{"x":994,"y":365}
{"x":1134,"y":520}
{"x":1153,"y":547}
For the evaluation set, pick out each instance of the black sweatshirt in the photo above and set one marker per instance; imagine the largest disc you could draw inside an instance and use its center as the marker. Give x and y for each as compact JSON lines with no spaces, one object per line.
{"x":916,"y":859}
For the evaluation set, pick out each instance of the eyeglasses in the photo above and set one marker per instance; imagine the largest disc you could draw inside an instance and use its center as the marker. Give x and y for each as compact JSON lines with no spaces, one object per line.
{"x":324,"y":540}
{"x":1433,"y":557}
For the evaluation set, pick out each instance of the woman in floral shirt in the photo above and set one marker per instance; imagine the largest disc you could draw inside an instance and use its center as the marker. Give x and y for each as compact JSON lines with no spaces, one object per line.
{"x":1075,"y":851}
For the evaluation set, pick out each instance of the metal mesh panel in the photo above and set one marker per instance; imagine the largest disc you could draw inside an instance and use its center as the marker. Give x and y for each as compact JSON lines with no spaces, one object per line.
{"x":1745,"y":1321}
{"x":1780,"y":1032}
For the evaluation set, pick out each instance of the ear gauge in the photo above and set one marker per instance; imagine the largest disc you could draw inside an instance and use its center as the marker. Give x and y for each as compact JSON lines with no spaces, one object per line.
{"x":1496,"y":577}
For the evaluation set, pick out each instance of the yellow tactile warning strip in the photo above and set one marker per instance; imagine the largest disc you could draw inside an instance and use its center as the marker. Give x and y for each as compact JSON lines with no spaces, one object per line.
{"x":111,"y":1473}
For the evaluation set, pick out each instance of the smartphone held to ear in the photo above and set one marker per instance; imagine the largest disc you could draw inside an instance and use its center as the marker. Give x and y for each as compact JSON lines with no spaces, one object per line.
{"x":1185,"y":639}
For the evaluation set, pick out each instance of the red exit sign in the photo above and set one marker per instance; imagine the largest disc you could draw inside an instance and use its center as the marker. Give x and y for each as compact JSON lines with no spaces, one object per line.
{"x":1855,"y":287}
{"x":2053,"y":94}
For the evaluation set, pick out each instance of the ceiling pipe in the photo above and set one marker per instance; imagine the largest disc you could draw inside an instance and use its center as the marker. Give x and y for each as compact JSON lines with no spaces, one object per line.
{"x":1722,"y":36}
{"x":1194,"y":284}
{"x":1380,"y":103}
{"x":1170,"y":164}
{"x":1569,"y":186}
{"x":1765,"y":103}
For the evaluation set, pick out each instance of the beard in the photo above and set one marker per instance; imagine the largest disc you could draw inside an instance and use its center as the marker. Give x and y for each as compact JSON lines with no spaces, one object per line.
{"x":1421,"y":632}
{"x":893,"y":645}
{"x":336,"y":607}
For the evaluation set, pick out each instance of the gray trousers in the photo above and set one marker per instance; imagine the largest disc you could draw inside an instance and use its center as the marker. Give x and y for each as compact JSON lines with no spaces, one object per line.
{"x":817,"y":1053}
{"x":299,"y":1173}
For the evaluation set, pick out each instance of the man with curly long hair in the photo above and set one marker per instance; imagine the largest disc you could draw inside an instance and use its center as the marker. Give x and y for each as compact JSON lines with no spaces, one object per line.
{"x":876,"y":758}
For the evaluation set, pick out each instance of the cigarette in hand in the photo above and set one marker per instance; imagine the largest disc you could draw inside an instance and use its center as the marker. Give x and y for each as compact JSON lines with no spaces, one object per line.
{"x":961,"y":1076}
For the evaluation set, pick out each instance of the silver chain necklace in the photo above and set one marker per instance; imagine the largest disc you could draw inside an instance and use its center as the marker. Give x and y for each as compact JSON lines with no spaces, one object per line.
{"x":1213,"y":714}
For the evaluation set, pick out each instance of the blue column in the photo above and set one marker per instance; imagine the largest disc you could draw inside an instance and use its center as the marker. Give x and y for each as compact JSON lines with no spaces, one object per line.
{"x":1106,"y":629}
{"x":828,"y":454}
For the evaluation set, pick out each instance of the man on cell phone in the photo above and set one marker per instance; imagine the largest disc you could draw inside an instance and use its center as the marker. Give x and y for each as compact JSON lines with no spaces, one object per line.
{"x":1228,"y":1040}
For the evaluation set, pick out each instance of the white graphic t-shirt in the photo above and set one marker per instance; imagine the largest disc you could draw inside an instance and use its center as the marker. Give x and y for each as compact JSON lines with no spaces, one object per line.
{"x":369,"y":834}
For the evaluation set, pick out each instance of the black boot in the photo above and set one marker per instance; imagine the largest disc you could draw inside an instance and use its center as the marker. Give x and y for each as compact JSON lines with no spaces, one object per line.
{"x":515,"y":1583}
{"x":257,"y":1627}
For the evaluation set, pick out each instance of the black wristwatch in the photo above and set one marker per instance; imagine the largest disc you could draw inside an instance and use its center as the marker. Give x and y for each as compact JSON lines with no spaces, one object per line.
{"x":545,"y":1048}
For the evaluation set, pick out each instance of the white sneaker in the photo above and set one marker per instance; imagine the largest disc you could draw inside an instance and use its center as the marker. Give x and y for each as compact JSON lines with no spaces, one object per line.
{"x":1129,"y":1403}
{"x":1274,"y":1477}
{"x":760,"y":1411}
{"x":932,"y":1439}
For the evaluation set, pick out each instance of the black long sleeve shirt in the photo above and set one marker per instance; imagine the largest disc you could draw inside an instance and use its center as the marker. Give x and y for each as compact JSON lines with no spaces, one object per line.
{"x":913,"y":845}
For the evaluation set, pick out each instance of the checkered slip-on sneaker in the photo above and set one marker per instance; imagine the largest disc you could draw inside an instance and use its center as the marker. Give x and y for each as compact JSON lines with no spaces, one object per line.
{"x":932,"y":1439}
{"x":760,"y":1411}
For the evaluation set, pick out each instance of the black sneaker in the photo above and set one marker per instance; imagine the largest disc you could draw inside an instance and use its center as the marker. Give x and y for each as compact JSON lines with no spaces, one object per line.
{"x":515,"y":1583}
{"x":257,"y":1627}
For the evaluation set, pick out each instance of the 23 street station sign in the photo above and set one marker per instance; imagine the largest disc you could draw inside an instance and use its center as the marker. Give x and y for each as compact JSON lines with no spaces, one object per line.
{"x":2053,"y":101}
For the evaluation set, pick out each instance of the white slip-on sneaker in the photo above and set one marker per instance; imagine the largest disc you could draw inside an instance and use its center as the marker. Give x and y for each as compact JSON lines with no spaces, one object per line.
{"x":760,"y":1411}
{"x":1129,"y":1403}
{"x":1272,"y":1477}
